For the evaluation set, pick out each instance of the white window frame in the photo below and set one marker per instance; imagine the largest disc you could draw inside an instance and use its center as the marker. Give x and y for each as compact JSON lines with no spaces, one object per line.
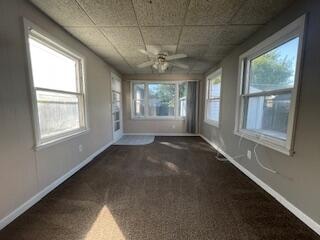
{"x":208,"y":78}
{"x":145,"y":100}
{"x":291,"y":31}
{"x":30,"y":29}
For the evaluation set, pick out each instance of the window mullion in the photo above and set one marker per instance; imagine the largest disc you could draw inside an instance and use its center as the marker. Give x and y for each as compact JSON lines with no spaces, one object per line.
{"x":146,"y":100}
{"x":267,"y":93}
{"x":58,"y":91}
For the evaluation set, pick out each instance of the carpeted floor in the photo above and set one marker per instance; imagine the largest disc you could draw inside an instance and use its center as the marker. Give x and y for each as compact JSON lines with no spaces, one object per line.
{"x":173,"y":188}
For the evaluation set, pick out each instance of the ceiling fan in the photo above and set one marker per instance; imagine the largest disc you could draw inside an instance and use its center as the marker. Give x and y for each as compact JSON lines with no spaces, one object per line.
{"x":160,"y":60}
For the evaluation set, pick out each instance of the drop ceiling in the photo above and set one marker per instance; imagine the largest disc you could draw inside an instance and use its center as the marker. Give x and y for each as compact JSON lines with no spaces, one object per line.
{"x":206,"y":30}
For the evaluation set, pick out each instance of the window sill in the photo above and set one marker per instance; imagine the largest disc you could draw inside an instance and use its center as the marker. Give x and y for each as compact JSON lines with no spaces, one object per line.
{"x":61,"y":139}
{"x":159,"y":118}
{"x":212,"y":123}
{"x":270,"y":142}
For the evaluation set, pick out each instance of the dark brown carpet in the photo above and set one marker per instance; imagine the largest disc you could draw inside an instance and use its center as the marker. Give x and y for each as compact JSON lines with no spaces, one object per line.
{"x":171,"y":189}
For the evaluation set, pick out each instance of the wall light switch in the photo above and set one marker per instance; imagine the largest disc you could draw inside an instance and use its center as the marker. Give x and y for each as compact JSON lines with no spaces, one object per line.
{"x":80,"y":148}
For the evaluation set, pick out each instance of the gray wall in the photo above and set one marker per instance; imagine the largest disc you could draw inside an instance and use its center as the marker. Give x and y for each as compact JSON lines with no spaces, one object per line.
{"x":299,"y":176}
{"x":23,"y":171}
{"x":162,"y":126}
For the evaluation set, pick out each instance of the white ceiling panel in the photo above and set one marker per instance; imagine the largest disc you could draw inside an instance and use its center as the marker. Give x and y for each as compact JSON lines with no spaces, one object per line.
{"x":205,"y":30}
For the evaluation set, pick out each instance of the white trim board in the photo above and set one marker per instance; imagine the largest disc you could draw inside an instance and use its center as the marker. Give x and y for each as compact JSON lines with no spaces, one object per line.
{"x":282,"y":200}
{"x":166,"y":134}
{"x":36,"y":198}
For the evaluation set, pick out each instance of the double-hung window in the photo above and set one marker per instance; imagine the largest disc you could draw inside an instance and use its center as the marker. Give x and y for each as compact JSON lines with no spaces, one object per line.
{"x":213,"y":98}
{"x":158,"y":99}
{"x":269,"y":75}
{"x":57,"y":89}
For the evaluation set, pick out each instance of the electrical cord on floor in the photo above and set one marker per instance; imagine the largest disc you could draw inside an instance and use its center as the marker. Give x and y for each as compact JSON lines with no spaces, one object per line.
{"x":260,"y":163}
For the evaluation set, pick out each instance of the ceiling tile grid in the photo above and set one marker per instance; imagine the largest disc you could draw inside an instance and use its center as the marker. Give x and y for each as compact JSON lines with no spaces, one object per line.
{"x":205,"y":30}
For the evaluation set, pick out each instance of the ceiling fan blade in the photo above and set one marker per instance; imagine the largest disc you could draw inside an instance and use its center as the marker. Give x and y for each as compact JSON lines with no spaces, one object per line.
{"x":149,"y":54}
{"x":155,"y":49}
{"x":145,"y":64}
{"x":179,"y":65}
{"x":176,"y":56}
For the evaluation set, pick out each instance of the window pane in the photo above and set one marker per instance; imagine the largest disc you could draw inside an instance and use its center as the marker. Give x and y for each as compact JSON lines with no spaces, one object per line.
{"x":274,"y":69}
{"x":116,"y":116}
{"x":138,"y":91}
{"x":214,"y":87}
{"x":116,"y":126}
{"x":269,"y":114}
{"x":161,"y":99}
{"x":57,"y":113}
{"x":138,"y":108}
{"x":182,"y":99}
{"x":115,"y":96}
{"x":213,"y":109}
{"x":51,"y":69}
{"x":116,"y":106}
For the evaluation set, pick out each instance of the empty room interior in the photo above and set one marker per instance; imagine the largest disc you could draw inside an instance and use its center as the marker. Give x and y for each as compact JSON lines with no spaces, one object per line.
{"x":159,"y":119}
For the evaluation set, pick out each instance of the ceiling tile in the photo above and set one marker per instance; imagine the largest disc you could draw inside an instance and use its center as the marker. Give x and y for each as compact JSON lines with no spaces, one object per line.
{"x":192,"y":50}
{"x":161,"y":35}
{"x":134,"y":61}
{"x":142,"y":70}
{"x":170,"y":49}
{"x":110,"y":12}
{"x":202,"y":67}
{"x":216,"y":35}
{"x":259,"y":12}
{"x":233,"y":35}
{"x":212,"y":58}
{"x":131,"y":51}
{"x":160,"y":12}
{"x":197,"y":35}
{"x":121,"y":65}
{"x":106,"y":52}
{"x":188,"y":61}
{"x":211,"y":12}
{"x":61,"y":10}
{"x":179,"y":70}
{"x":123,"y":35}
{"x":88,"y":35}
{"x":219,"y":50}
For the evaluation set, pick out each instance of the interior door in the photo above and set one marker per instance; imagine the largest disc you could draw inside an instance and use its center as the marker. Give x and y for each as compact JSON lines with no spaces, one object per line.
{"x":116,"y":107}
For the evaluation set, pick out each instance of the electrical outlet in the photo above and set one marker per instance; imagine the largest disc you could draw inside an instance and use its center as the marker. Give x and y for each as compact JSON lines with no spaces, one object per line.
{"x":173,"y":126}
{"x":249,"y":154}
{"x":80,"y":148}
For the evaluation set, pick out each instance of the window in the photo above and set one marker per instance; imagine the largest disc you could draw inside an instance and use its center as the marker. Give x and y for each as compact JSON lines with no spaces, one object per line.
{"x":213,"y":99}
{"x":57,"y":89}
{"x":159,"y":100}
{"x":268,"y":88}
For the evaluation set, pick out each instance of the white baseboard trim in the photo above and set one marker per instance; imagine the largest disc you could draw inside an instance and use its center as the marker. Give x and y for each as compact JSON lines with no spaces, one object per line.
{"x":165,"y":134}
{"x":282,"y":200}
{"x":36,"y":198}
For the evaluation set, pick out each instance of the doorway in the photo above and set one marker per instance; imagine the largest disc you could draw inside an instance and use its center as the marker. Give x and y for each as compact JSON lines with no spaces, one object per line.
{"x":116,"y":107}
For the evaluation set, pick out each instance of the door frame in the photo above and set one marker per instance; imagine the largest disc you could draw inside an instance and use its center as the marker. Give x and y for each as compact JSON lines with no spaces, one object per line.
{"x":116,"y":137}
